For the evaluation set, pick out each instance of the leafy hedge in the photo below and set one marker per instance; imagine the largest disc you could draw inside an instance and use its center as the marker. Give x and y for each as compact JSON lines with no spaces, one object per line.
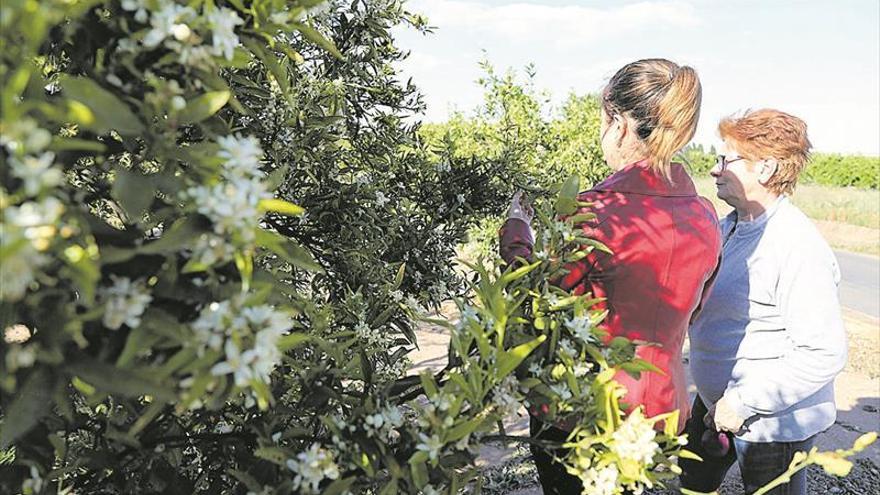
{"x":831,"y":169}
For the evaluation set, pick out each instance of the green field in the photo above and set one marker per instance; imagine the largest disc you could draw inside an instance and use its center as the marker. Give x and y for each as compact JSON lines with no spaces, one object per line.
{"x":848,"y":217}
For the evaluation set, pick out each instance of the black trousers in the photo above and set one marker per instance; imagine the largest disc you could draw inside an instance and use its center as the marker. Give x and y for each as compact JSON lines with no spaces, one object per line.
{"x":555,"y":480}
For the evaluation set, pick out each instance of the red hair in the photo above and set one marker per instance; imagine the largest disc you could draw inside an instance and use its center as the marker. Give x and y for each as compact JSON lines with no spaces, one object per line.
{"x":767,"y":133}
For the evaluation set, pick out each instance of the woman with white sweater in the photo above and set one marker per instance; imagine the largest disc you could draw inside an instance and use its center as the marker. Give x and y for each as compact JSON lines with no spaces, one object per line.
{"x":770,"y":339}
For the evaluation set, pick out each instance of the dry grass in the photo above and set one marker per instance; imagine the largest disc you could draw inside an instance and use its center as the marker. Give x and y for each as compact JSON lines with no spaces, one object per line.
{"x":848,"y":218}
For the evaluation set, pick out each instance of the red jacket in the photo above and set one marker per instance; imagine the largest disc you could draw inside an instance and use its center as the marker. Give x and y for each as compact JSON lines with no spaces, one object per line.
{"x":666,"y":243}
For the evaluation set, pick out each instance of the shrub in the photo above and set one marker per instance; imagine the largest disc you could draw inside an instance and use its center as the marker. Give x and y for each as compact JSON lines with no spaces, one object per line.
{"x":831,"y":169}
{"x":218,"y":228}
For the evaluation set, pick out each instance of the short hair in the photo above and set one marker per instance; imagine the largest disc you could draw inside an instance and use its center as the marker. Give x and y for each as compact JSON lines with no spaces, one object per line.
{"x":768,"y":133}
{"x":664,"y":98}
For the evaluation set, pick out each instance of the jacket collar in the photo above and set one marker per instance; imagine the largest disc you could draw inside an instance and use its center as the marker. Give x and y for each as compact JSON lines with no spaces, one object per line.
{"x":638,"y":178}
{"x":758,"y":224}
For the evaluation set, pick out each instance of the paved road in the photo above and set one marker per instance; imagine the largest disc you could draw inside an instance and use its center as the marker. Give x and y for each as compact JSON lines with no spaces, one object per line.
{"x":860,"y":282}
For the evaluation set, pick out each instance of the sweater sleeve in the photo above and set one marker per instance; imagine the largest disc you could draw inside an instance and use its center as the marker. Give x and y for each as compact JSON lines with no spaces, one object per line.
{"x":516,"y":240}
{"x":807,"y":294}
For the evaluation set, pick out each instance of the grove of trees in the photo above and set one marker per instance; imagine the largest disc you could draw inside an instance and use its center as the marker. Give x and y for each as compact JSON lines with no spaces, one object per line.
{"x":222,"y":223}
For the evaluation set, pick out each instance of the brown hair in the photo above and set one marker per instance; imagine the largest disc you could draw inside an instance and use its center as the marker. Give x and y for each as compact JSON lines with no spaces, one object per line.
{"x":664,"y":98}
{"x":768,"y":133}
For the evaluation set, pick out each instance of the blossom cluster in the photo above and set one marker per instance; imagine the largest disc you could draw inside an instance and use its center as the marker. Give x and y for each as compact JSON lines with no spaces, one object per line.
{"x":31,"y":214}
{"x":373,"y":337}
{"x":247,"y":335}
{"x":383,"y":423}
{"x":311,"y":467}
{"x":125,"y":302}
{"x":232,"y":204}
{"x":507,"y":398}
{"x":619,"y":462}
{"x":181,"y":29}
{"x":636,"y":439}
{"x":601,"y":481}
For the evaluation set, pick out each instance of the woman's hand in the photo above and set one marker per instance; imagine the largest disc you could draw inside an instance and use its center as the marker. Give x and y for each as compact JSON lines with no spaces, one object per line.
{"x":520,"y":208}
{"x":723,"y":417}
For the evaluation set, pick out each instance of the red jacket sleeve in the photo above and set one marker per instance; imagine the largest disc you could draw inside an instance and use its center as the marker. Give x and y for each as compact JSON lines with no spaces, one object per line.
{"x":515,"y":240}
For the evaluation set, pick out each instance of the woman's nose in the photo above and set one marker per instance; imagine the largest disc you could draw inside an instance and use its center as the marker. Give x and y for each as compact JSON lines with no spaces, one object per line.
{"x":715,"y":171}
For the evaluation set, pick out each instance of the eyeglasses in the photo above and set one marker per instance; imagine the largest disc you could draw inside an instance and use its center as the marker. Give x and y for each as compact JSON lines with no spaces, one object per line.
{"x":723,"y":162}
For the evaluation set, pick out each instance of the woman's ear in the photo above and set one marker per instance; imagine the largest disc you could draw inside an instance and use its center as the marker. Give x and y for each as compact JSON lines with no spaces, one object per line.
{"x":622,"y":128}
{"x":769,"y":167}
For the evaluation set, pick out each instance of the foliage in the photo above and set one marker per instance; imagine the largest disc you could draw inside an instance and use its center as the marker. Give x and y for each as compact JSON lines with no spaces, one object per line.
{"x":539,"y":146}
{"x":832,"y":169}
{"x":219,"y":224}
{"x":515,"y":120}
{"x":697,"y":160}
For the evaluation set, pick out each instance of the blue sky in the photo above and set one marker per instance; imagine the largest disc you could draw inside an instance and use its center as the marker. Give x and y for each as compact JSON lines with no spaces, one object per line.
{"x":819,"y":60}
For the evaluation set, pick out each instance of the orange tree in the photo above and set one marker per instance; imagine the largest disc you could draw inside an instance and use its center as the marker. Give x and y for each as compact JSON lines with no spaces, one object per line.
{"x":219,"y":225}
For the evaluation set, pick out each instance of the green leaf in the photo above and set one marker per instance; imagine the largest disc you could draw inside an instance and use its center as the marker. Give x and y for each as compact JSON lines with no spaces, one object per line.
{"x":32,"y":402}
{"x":863,"y":441}
{"x":203,"y":106}
{"x":280,"y":206}
{"x":315,"y":37}
{"x":509,"y":360}
{"x":245,"y":264}
{"x":75,"y":144}
{"x":287,"y":342}
{"x":275,"y":455}
{"x":134,"y":192}
{"x":566,"y":201}
{"x":139,"y":338}
{"x":288,"y":250}
{"x":518,"y":273}
{"x":687,"y":454}
{"x":685,"y":491}
{"x":247,"y":480}
{"x":464,"y":428}
{"x":238,"y":4}
{"x":124,"y":382}
{"x":276,"y":178}
{"x":581,"y":218}
{"x":398,"y":279}
{"x":384,"y":316}
{"x":14,"y":86}
{"x":418,"y":456}
{"x":179,"y":236}
{"x":428,"y":383}
{"x":152,"y":412}
{"x":339,"y":487}
{"x":179,"y":360}
{"x":833,"y":463}
{"x":390,"y":488}
{"x":82,"y":267}
{"x":276,"y":68}
{"x":107,"y":111}
{"x":419,"y":472}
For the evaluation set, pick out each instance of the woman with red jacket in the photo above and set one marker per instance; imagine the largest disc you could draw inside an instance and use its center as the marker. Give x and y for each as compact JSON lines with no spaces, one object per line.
{"x":665,"y":239}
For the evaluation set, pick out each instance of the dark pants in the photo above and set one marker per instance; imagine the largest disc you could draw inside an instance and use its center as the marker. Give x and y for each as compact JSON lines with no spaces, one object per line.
{"x":555,"y":480}
{"x":759,"y":463}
